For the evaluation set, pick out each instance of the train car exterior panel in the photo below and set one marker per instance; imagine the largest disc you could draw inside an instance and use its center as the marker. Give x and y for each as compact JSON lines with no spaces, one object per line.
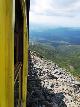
{"x":6,"y":54}
{"x":25,"y":56}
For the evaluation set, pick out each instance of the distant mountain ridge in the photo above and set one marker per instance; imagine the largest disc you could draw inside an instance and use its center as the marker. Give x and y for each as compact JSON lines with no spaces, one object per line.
{"x":68,"y":35}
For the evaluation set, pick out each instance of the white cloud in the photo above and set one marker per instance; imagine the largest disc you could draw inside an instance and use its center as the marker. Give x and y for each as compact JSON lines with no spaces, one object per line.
{"x":55,"y":12}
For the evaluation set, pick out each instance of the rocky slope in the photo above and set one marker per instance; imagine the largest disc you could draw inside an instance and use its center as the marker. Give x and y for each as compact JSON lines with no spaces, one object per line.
{"x":50,"y":85}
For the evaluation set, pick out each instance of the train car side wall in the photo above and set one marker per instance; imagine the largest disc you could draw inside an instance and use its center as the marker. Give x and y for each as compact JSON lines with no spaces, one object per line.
{"x":6,"y":53}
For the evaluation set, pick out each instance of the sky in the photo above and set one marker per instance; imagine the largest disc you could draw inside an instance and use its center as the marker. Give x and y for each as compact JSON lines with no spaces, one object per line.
{"x":57,"y":13}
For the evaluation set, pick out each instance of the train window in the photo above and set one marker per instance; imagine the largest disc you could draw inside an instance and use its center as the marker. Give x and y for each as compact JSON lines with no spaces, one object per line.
{"x":18,"y":48}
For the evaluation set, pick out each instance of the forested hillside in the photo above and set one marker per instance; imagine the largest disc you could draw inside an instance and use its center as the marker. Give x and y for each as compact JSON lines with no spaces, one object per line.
{"x":66,"y":56}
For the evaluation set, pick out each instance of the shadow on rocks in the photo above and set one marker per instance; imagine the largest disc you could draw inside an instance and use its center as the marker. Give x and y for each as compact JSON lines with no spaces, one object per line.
{"x":39,"y":96}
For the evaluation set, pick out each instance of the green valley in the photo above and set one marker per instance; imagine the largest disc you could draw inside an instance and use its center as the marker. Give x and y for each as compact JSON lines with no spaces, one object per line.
{"x":64,"y":55}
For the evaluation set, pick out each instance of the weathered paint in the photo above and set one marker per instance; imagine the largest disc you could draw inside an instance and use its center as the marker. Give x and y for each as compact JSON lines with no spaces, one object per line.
{"x":6,"y":54}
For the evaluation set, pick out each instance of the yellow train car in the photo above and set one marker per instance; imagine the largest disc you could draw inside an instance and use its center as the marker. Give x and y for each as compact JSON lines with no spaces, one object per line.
{"x":14,"y":27}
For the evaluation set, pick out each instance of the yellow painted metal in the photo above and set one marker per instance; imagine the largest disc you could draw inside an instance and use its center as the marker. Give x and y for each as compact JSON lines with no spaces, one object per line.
{"x":25,"y":57}
{"x":6,"y":54}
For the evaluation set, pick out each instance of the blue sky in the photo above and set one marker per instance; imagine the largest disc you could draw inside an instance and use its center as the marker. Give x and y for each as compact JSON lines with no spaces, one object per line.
{"x":60,"y":13}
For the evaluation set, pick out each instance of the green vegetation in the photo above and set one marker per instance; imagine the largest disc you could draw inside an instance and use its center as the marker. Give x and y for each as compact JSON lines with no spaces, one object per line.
{"x":67,"y":56}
